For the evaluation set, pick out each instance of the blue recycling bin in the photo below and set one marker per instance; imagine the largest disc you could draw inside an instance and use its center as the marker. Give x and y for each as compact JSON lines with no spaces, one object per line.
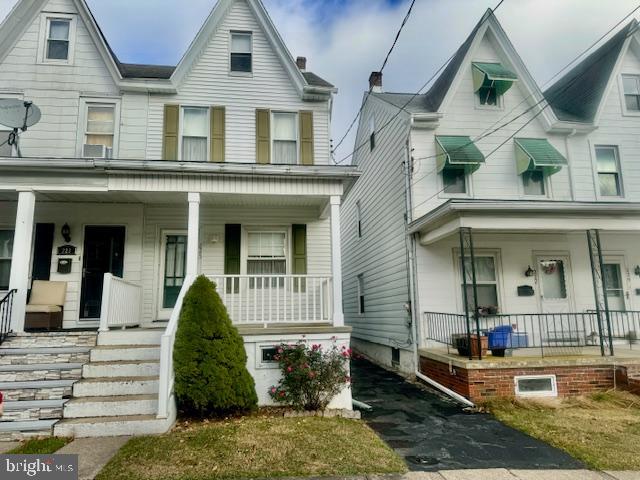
{"x":503,"y":337}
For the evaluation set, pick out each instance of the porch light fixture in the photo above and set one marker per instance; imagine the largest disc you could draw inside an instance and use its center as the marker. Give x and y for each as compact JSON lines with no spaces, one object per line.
{"x":66,"y":232}
{"x":637,"y":270}
{"x":530,"y":272}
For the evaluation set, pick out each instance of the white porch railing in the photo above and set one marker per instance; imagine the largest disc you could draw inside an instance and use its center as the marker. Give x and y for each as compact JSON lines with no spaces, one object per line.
{"x":267,"y":299}
{"x":167,"y":375}
{"x":121,"y":303}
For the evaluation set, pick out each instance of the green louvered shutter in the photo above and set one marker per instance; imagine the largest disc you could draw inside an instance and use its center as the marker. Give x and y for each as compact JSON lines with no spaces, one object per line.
{"x":170,"y":132}
{"x":263,"y":136}
{"x":217,"y":134}
{"x":299,"y":249}
{"x":232,"y":235}
{"x":306,"y":138}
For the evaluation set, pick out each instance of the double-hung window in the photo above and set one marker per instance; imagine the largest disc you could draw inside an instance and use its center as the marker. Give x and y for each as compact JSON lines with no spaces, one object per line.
{"x":100,"y":130}
{"x":241,"y":52}
{"x":195,"y":134}
{"x":486,"y":282}
{"x":631,"y":86}
{"x":533,"y":182}
{"x":58,"y":38}
{"x":609,"y":177}
{"x":6,"y":250}
{"x":454,"y":181}
{"x":285,"y":138}
{"x":267,"y":256}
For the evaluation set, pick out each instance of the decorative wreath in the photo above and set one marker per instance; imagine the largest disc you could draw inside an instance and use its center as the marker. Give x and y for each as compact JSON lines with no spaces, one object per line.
{"x":550,"y":268}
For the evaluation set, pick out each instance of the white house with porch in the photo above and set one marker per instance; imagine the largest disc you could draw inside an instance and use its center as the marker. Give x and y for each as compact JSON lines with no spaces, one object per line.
{"x":137,"y":179}
{"x":538,"y":191}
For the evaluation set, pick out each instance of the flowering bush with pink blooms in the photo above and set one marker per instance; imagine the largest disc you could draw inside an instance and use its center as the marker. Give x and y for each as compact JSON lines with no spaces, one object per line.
{"x":311,"y":375}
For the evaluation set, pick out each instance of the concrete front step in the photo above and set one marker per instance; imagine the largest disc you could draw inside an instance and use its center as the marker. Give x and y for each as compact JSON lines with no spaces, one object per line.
{"x":51,"y":339}
{"x":47,"y":371}
{"x":116,"y":386}
{"x":112,"y":426}
{"x":131,"y":337}
{"x":111,"y":406}
{"x":35,"y":426}
{"x":131,"y":368}
{"x":33,"y":410}
{"x":111,"y":353}
{"x":37,"y":390}
{"x":35,"y":355}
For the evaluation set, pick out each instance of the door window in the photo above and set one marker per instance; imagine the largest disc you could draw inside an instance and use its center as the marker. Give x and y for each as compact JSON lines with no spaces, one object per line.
{"x":175,"y":260}
{"x":615,"y":290}
{"x":552,"y":277}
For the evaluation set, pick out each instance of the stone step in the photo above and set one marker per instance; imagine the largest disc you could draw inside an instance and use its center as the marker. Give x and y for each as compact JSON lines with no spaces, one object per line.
{"x":112,"y":426}
{"x":35,"y":355}
{"x":131,"y":337}
{"x":115,"y":406}
{"x":110,"y":353}
{"x":33,"y":410}
{"x":131,"y":368}
{"x":52,"y":339}
{"x":31,"y":426}
{"x":114,"y":386}
{"x":36,"y":390}
{"x":47,"y":371}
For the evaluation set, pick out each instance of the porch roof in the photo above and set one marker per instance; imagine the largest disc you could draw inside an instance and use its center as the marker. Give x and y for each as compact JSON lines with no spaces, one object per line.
{"x":525,"y":216}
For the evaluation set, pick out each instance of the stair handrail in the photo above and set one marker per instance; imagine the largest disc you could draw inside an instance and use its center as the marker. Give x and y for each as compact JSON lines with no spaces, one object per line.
{"x":166,"y":381}
{"x":6,"y":307}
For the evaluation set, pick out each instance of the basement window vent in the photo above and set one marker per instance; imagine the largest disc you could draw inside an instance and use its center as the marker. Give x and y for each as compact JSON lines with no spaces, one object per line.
{"x":536,"y":386}
{"x":395,"y":357}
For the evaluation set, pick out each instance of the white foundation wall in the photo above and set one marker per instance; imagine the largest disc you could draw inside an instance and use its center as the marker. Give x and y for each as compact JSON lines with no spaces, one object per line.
{"x":267,"y":375}
{"x":439,"y":280}
{"x":382,"y":355}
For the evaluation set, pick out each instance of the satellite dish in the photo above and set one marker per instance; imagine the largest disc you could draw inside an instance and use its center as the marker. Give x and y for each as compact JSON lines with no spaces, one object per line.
{"x":18,"y":114}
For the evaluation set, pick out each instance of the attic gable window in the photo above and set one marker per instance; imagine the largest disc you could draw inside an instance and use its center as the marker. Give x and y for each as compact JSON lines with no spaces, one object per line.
{"x":491,"y":81}
{"x":631,"y":85}
{"x":241,"y":52}
{"x":58,"y":36}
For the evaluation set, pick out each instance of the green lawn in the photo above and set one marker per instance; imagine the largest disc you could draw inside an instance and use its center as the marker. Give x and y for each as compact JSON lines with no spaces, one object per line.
{"x":40,"y":446}
{"x":602,"y":430}
{"x":257,"y":446}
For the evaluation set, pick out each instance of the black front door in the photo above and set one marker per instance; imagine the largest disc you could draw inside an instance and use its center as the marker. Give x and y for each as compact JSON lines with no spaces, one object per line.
{"x":103,"y":253}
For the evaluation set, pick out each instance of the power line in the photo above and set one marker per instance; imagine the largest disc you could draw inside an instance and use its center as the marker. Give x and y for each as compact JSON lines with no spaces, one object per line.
{"x":402,"y":108}
{"x":384,"y":64}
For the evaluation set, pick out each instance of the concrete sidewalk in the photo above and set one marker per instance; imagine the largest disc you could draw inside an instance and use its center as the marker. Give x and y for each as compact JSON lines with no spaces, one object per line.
{"x":93,"y":453}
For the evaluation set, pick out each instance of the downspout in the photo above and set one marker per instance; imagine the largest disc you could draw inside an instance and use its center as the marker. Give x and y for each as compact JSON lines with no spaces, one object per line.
{"x":570,"y":169}
{"x":413,"y":282}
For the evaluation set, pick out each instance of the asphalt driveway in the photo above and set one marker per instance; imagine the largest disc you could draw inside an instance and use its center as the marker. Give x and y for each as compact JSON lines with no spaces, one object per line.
{"x":434,"y":433}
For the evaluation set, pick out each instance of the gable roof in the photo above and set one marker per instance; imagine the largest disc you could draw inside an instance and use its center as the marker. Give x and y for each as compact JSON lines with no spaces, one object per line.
{"x":577,"y":96}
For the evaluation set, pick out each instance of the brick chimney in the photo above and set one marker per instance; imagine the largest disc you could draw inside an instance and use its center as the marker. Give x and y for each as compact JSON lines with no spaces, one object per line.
{"x":375,"y":82}
{"x":302,"y":63}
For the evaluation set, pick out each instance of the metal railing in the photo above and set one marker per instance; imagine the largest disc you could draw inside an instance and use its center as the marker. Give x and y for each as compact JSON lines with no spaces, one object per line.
{"x":267,"y":299}
{"x":121,"y":303}
{"x":551,"y":333}
{"x":6,"y":308}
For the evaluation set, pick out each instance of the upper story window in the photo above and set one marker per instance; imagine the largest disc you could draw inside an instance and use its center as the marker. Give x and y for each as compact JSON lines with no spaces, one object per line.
{"x":195,"y":134}
{"x":533,"y":182}
{"x":631,"y":87}
{"x":241,"y":52}
{"x":100,"y":130}
{"x":537,"y":160}
{"x":359,"y":218}
{"x":285,"y":138}
{"x":457,"y":157}
{"x":491,"y":81}
{"x":372,"y":133}
{"x":6,"y":250}
{"x":609,"y":177}
{"x":58,"y":38}
{"x":454,"y":181}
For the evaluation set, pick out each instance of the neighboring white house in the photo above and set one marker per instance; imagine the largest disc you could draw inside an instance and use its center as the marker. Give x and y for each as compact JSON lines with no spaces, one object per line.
{"x":218,"y":166}
{"x":481,"y":162}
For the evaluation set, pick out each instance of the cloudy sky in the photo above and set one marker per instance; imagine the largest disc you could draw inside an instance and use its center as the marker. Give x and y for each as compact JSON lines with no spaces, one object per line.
{"x":346,"y":39}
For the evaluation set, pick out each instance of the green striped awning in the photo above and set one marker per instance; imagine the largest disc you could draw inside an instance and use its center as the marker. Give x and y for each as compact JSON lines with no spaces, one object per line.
{"x":492,"y":74}
{"x":538,"y":154}
{"x":457,"y":152}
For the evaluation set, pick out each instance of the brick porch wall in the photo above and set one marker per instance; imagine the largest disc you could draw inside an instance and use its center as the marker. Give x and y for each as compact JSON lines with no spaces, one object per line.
{"x":482,"y":384}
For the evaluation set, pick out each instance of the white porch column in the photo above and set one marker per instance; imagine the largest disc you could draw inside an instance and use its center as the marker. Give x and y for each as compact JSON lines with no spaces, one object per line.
{"x":336,"y":262}
{"x":193,"y":235}
{"x":21,"y":257}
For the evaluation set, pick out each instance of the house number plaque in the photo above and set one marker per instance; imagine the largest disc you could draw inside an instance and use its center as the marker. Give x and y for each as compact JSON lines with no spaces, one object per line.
{"x":67,"y":250}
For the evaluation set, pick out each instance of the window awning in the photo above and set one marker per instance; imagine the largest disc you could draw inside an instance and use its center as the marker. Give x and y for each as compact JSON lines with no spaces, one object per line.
{"x":457,"y":152}
{"x":538,"y":154}
{"x":492,"y":74}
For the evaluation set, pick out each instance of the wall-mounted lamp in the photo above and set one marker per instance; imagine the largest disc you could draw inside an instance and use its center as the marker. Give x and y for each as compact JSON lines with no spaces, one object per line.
{"x":637,"y":270}
{"x":66,"y":232}
{"x":530,"y":272}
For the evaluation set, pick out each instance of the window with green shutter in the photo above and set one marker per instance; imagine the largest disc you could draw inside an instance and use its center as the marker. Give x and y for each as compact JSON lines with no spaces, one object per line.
{"x":171,"y":129}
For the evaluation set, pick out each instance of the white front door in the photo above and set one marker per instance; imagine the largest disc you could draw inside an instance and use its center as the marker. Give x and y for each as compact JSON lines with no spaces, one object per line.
{"x":554,"y":283}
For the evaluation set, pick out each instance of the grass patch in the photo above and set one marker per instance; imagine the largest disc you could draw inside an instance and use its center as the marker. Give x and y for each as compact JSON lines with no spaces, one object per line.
{"x":257,"y":446}
{"x":602,"y":430}
{"x":40,"y":446}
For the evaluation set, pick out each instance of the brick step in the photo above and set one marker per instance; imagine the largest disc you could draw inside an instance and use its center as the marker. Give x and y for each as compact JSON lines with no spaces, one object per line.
{"x":37,"y":390}
{"x":35,"y":355}
{"x":33,"y":410}
{"x":51,"y":339}
{"x":49,"y":371}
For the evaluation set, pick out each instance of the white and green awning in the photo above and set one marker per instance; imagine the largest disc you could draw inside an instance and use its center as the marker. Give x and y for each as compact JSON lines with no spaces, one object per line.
{"x":538,"y":154}
{"x":455,"y":151}
{"x":493,"y":75}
